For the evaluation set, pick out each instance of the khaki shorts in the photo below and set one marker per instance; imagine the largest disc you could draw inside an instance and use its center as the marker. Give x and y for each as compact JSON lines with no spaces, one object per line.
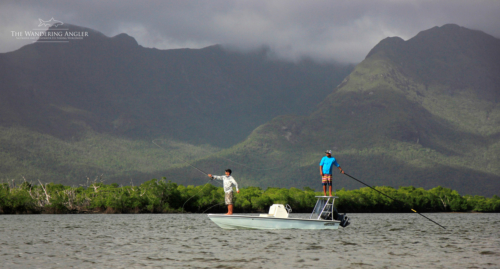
{"x":229,"y":198}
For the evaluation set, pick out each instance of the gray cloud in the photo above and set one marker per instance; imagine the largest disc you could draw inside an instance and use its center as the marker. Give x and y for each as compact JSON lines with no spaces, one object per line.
{"x":322,"y":29}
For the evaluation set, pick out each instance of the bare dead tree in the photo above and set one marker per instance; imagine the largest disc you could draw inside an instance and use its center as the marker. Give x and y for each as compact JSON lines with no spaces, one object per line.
{"x":47,"y":196}
{"x":95,"y":187}
{"x":71,"y":202}
{"x":444,"y":202}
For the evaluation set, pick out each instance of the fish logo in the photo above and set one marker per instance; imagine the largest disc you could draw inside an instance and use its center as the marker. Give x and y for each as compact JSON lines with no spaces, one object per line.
{"x":50,"y":23}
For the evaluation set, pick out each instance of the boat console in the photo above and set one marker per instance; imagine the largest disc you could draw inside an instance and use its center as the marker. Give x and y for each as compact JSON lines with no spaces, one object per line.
{"x":278,"y":211}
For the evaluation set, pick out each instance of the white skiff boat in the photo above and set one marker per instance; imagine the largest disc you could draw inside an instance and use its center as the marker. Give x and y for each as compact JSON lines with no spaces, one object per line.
{"x":324,"y":216}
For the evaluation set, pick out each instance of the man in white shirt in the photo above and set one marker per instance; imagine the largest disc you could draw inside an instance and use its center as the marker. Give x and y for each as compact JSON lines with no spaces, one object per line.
{"x":228,"y":182}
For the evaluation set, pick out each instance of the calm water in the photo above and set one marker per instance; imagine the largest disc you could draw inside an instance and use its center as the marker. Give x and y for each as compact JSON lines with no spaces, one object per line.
{"x":193,"y":241}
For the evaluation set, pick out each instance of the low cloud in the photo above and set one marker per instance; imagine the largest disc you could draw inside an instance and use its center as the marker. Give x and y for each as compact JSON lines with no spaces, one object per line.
{"x":341,"y":30}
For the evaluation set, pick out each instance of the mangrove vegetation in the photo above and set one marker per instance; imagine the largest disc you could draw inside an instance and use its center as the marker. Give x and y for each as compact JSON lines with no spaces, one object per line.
{"x":162,"y":196}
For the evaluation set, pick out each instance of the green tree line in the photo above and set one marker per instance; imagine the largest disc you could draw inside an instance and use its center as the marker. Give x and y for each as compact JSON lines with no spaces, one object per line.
{"x":162,"y":196}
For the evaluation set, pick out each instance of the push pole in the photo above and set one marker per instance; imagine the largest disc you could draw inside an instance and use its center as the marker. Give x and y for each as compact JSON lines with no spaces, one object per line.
{"x":391,"y":198}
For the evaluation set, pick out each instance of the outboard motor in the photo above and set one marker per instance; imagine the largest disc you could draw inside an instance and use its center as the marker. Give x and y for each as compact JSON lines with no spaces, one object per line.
{"x":343,"y":218}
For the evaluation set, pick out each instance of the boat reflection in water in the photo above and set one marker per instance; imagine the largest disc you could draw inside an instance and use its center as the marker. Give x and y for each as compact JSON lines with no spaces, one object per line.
{"x":324,"y":216}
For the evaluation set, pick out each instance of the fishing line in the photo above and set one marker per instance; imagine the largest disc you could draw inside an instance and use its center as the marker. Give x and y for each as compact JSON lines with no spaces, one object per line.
{"x":211,"y":207}
{"x":201,"y":171}
{"x":204,"y":173}
{"x":391,"y":198}
{"x":206,"y":184}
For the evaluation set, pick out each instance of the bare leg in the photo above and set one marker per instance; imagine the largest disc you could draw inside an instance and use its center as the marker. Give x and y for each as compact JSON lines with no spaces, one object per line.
{"x":229,"y":209}
{"x":324,"y":190}
{"x":330,"y":190}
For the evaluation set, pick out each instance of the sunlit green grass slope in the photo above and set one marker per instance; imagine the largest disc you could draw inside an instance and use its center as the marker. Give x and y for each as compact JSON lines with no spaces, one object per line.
{"x":36,"y":156}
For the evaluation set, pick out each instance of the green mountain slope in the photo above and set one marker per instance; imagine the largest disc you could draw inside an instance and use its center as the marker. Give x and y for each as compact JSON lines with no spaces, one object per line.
{"x":91,"y":107}
{"x":422,"y":112}
{"x":113,"y":85}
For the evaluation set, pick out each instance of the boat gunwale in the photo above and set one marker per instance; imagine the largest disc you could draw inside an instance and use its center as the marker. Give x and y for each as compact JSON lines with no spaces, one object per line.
{"x":268,"y":218}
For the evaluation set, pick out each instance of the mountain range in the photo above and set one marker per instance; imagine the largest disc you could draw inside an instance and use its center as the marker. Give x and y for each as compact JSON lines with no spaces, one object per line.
{"x":421,"y":112}
{"x":92,"y":106}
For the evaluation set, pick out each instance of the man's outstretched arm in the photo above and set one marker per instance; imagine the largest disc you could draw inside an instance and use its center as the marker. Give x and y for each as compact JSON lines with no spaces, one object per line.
{"x":215,"y":177}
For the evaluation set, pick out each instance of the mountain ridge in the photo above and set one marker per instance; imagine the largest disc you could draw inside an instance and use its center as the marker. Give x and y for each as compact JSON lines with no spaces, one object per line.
{"x":422,"y":112}
{"x":101,"y":75}
{"x":91,"y":107}
{"x":393,"y":122}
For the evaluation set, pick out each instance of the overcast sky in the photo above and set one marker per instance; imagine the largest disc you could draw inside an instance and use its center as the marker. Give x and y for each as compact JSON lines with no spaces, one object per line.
{"x":343,"y":30}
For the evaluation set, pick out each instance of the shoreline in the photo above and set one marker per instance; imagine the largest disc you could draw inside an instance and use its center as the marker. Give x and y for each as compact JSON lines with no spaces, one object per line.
{"x":109,"y":211}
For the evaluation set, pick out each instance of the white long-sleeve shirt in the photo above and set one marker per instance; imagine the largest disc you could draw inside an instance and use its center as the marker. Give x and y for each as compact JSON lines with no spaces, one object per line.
{"x":228,"y":181}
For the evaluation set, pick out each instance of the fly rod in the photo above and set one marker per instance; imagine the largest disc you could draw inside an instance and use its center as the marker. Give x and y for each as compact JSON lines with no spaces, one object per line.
{"x":391,"y":198}
{"x":204,"y":173}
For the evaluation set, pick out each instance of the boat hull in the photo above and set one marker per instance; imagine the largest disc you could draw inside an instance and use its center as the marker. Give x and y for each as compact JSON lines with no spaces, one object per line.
{"x":256,"y":222}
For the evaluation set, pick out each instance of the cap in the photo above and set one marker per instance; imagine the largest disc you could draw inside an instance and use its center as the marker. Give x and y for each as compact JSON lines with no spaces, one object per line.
{"x":328,"y":151}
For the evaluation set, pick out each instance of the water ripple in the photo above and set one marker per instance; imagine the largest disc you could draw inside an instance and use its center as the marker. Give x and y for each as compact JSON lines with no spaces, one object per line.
{"x":193,"y":241}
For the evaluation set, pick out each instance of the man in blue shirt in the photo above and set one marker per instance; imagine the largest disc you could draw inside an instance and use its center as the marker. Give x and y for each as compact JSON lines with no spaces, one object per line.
{"x":325,"y":169}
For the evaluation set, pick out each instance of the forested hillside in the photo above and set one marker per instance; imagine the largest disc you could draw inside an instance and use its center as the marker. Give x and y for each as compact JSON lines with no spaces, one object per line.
{"x":421,"y":112}
{"x":91,"y":107}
